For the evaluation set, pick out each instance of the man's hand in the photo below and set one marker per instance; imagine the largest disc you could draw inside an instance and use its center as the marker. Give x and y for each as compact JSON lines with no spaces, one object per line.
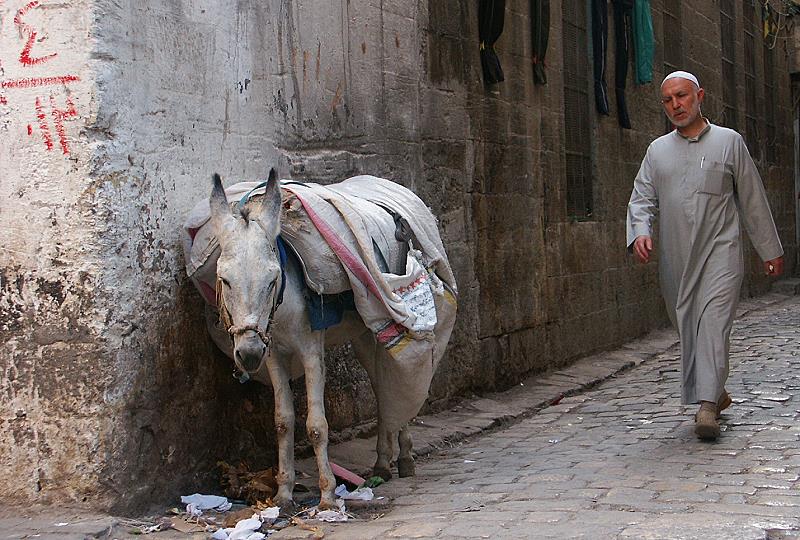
{"x":643,"y":245}
{"x":773,"y":267}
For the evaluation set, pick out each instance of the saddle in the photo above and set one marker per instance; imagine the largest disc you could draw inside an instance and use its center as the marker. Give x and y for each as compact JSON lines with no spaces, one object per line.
{"x":322,"y":268}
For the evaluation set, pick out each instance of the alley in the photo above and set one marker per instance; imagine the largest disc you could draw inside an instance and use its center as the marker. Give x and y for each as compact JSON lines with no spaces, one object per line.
{"x":621,"y":460}
{"x":617,"y":461}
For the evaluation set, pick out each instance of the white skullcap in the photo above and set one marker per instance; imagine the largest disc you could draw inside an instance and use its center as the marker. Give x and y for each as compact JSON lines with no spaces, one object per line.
{"x":681,"y":75}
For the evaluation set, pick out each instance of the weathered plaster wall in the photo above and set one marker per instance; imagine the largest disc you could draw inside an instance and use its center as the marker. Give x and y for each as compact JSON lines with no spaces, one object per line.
{"x":112,"y":393}
{"x":51,"y":384}
{"x":179,"y":85}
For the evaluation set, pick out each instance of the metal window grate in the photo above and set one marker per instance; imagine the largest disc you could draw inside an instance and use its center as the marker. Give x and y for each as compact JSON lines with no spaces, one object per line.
{"x":727,"y":16}
{"x":769,"y":104}
{"x":750,"y":100}
{"x":673,"y":46}
{"x":577,"y":131}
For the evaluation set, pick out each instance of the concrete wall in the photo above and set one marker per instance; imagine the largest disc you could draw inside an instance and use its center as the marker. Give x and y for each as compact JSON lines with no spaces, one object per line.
{"x":112,"y":393}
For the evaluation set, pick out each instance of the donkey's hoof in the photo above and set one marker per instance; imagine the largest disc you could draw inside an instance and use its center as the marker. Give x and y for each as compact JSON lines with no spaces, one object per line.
{"x":328,"y":505}
{"x":288,"y":506}
{"x":405,"y":467}
{"x":383,"y":472}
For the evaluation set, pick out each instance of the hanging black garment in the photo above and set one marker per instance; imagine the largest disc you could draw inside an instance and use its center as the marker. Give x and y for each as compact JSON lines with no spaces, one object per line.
{"x":599,"y":48}
{"x":540,"y":30}
{"x":623,"y":23}
{"x":491,"y":14}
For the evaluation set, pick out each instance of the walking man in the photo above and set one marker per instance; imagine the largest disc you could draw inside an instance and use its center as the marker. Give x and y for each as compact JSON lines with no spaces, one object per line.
{"x":701,"y":181}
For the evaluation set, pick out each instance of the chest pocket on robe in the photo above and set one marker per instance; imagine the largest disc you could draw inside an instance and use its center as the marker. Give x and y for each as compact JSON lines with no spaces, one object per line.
{"x":715,"y":179}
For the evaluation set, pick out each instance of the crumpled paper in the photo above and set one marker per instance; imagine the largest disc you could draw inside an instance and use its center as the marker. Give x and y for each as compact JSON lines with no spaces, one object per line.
{"x":244,"y":530}
{"x":360,"y":494}
{"x":329,"y":515}
{"x":195,"y":504}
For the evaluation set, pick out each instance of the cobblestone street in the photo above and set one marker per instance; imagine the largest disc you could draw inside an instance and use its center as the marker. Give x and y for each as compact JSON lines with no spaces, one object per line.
{"x":621,"y":460}
{"x":617,"y":460}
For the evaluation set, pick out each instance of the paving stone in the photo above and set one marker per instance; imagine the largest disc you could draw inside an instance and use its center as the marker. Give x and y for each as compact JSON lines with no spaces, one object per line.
{"x":537,"y":516}
{"x":734,"y":498}
{"x":655,"y":507}
{"x":416,"y":529}
{"x":625,"y":495}
{"x":676,"y":485}
{"x":689,"y":496}
{"x":776,"y":500}
{"x":748,"y":509}
{"x":705,"y":526}
{"x":472,"y":529}
{"x":575,"y":529}
{"x":345,"y":531}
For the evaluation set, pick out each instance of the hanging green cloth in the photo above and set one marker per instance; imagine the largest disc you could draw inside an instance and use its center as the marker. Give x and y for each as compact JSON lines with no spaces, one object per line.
{"x":540,"y":29}
{"x":643,"y":42}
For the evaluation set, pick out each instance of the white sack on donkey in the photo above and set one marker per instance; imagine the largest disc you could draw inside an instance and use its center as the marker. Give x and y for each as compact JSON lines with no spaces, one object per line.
{"x":289,"y":268}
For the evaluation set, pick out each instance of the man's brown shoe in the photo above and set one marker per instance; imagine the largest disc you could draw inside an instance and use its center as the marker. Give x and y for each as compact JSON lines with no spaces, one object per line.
{"x":706,"y":426}
{"x":723,"y":402}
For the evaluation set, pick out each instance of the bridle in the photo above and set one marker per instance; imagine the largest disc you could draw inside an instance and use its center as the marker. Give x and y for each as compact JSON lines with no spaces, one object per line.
{"x":233,"y":330}
{"x":277,"y":299}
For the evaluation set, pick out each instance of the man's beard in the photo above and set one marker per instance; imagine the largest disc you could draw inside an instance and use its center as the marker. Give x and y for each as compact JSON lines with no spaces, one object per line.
{"x":685,"y":120}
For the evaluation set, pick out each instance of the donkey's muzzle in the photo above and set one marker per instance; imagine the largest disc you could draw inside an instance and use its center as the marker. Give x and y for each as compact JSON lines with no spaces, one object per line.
{"x":249,"y":351}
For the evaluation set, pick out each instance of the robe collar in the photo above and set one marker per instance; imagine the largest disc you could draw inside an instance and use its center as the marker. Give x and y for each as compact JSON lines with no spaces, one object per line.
{"x":699,"y":135}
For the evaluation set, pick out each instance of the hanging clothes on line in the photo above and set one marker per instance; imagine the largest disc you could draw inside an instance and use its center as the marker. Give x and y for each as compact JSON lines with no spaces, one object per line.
{"x":540,"y":30}
{"x":599,"y":48}
{"x":623,"y":15}
{"x":643,"y":42}
{"x":491,"y":16}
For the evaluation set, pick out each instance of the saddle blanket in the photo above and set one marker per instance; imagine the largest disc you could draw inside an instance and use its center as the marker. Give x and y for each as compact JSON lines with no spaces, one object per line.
{"x":367,"y":235}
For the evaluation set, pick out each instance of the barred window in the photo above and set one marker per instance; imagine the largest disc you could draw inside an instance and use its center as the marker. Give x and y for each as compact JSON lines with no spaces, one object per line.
{"x":727,"y":19}
{"x":750,"y":101}
{"x":577,"y":130}
{"x":673,"y":46}
{"x":769,"y":104}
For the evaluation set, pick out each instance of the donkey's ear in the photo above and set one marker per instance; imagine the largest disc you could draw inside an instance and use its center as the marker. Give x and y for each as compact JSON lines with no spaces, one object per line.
{"x":270,"y":213}
{"x":221,"y":218}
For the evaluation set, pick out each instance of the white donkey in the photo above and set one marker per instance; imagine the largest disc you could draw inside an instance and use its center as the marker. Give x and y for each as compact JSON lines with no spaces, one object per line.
{"x":279,"y":334}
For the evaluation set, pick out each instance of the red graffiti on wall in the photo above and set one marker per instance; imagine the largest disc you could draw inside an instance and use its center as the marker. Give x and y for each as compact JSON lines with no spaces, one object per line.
{"x":47,"y":111}
{"x":25,"y":55}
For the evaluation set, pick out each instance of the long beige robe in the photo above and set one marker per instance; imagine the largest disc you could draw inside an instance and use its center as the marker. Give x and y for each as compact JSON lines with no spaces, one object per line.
{"x":700,"y":188}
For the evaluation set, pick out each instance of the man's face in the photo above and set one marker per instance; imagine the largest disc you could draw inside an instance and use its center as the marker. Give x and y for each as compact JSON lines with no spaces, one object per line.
{"x":681,"y":100}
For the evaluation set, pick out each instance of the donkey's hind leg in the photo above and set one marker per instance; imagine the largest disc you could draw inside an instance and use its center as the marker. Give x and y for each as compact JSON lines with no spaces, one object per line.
{"x":384,"y":449}
{"x":366,"y":349}
{"x":405,"y":462}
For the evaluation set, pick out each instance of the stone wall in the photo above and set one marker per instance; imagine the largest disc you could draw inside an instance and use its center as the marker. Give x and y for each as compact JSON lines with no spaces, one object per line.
{"x":112,"y":394}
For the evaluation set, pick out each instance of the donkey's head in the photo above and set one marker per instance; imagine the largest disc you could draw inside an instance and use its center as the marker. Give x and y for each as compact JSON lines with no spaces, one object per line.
{"x":248,"y":269}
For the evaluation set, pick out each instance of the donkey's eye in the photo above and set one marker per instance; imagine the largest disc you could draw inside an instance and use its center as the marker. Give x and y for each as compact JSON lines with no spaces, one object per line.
{"x":224,"y":281}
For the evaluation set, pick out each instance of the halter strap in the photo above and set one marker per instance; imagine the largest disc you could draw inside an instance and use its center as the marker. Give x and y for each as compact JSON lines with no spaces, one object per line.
{"x":246,"y":196}
{"x":277,"y":299}
{"x":282,"y":258}
{"x":278,"y":241}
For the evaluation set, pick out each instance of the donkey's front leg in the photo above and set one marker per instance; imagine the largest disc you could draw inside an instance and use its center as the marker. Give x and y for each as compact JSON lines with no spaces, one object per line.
{"x":284,"y":429}
{"x":317,"y":425}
